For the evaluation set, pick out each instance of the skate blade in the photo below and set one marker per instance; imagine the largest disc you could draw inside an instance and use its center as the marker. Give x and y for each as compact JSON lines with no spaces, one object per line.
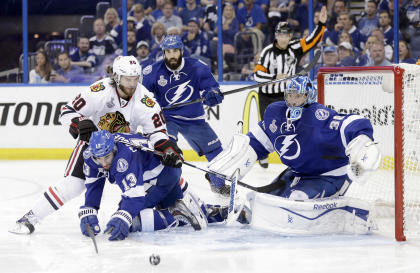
{"x":20,"y":229}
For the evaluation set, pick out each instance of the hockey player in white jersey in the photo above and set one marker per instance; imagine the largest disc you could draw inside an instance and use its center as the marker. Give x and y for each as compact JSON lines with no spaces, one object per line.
{"x":324,"y":151}
{"x":118,"y":104}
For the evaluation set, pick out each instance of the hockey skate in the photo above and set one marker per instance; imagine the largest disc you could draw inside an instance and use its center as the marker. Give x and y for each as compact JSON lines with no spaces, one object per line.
{"x":189,"y":213}
{"x":222,"y":211}
{"x":25,"y":225}
{"x":223,"y":190}
{"x":263,"y":163}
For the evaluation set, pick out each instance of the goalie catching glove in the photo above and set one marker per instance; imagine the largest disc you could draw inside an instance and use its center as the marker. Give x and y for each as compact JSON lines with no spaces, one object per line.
{"x":169,"y":153}
{"x":82,"y":127}
{"x":364,"y":157}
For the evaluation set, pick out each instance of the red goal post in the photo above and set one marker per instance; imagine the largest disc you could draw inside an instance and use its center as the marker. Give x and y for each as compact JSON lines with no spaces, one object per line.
{"x":390,"y":97}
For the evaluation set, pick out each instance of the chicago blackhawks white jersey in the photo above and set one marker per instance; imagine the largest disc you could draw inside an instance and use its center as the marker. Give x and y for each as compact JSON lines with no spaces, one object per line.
{"x":101,"y":103}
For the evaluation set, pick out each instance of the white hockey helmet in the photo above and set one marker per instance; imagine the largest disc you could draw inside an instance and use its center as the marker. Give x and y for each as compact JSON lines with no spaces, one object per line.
{"x":126,"y":66}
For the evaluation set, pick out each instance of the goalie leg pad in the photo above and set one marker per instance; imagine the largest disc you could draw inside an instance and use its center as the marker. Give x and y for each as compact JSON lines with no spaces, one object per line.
{"x":238,"y":155}
{"x":312,"y":217}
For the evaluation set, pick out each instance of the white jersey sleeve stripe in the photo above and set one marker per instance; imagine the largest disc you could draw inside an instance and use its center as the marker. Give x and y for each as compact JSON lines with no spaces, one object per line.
{"x":345,"y":123}
{"x":137,"y":191}
{"x":90,"y":180}
{"x":337,"y":172}
{"x":261,"y":136}
{"x":147,"y":175}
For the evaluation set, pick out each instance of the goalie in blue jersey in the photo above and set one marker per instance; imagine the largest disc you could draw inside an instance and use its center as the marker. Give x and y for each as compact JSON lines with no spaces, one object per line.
{"x":324,"y":152}
{"x":177,"y":79}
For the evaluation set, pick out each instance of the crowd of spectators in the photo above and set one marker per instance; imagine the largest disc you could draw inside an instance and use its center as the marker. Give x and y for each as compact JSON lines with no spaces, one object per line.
{"x":350,"y":39}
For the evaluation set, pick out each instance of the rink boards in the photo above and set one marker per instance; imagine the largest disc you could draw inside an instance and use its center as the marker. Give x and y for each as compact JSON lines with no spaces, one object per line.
{"x":29,"y":120}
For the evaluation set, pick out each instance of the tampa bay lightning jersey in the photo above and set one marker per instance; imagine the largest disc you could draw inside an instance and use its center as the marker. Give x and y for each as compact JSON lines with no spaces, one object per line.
{"x":312,"y":145}
{"x":187,"y":83}
{"x":130,"y":170}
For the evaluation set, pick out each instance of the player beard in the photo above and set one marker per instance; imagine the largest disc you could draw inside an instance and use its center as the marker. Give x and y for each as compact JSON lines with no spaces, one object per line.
{"x":173,"y":63}
{"x":126,"y":92}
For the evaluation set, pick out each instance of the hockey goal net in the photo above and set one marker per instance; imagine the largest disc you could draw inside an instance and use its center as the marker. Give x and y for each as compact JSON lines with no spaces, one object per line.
{"x":390,"y":98}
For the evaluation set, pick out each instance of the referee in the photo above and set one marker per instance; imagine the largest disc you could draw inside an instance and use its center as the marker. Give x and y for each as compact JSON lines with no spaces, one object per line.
{"x":280,"y":59}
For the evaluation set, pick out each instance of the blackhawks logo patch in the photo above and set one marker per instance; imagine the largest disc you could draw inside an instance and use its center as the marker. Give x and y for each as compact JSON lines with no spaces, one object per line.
{"x":148,"y":101}
{"x":97,"y":87}
{"x":114,"y":123}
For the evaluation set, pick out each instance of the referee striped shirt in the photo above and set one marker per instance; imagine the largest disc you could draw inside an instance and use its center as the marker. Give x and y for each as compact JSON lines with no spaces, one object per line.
{"x":275,"y":61}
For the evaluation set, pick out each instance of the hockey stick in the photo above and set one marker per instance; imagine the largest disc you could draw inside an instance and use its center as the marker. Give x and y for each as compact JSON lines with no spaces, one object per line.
{"x":143,"y":148}
{"x":262,"y":189}
{"x":232,"y":215}
{"x":92,"y":236}
{"x":301,"y":73}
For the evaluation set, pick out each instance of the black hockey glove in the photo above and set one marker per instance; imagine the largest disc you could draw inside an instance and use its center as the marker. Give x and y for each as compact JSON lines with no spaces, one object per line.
{"x":171,"y":154}
{"x":82,"y":127}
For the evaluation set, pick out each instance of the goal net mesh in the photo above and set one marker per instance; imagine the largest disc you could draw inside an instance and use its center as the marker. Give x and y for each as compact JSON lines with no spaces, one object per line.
{"x":370,"y":92}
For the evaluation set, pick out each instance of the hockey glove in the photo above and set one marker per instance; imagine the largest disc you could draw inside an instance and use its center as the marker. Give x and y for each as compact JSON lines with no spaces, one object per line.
{"x":213,"y":97}
{"x":88,"y":215}
{"x":171,"y":154}
{"x":119,"y":225}
{"x":364,"y":157}
{"x":82,"y":127}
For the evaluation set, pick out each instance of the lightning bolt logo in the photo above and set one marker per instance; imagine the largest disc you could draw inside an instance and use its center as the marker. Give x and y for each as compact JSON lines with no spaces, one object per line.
{"x":287,"y":142}
{"x":179,"y":92}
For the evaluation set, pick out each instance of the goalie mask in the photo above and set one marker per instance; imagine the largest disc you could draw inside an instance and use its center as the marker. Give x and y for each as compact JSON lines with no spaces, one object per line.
{"x":126,"y":66}
{"x":300,"y":91}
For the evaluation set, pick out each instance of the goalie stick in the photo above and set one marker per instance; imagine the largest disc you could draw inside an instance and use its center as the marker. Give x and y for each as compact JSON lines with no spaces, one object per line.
{"x":232,"y":214}
{"x":301,"y":73}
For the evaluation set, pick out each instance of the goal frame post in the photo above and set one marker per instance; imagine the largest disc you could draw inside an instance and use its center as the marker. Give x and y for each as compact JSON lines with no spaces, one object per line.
{"x":398,"y":131}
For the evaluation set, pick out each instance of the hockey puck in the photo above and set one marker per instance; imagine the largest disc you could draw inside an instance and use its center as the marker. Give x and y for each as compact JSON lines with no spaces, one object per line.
{"x":154,"y":259}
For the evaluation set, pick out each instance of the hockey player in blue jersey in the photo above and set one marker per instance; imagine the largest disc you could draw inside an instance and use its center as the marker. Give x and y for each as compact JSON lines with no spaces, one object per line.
{"x":177,"y":79}
{"x":145,"y":184}
{"x":151,"y":199}
{"x":324,"y":150}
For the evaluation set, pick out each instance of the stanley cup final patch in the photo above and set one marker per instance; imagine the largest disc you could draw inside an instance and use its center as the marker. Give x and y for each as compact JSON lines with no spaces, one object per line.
{"x":162,"y":81}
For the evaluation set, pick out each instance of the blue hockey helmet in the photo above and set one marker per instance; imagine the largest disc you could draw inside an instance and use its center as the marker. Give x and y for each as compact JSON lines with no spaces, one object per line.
{"x":101,"y":143}
{"x":171,"y":41}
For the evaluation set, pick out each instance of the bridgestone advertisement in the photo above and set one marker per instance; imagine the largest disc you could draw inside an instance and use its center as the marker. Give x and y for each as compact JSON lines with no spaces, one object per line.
{"x":29,"y":116}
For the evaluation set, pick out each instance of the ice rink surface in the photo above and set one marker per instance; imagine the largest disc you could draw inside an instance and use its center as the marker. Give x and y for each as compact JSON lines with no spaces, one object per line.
{"x":58,"y":245}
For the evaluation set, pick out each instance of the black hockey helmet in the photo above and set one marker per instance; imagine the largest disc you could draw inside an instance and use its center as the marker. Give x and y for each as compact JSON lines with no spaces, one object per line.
{"x":284,"y":28}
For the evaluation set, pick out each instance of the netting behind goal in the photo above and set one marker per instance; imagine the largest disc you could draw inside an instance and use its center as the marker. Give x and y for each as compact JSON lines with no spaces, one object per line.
{"x":390,"y":98}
